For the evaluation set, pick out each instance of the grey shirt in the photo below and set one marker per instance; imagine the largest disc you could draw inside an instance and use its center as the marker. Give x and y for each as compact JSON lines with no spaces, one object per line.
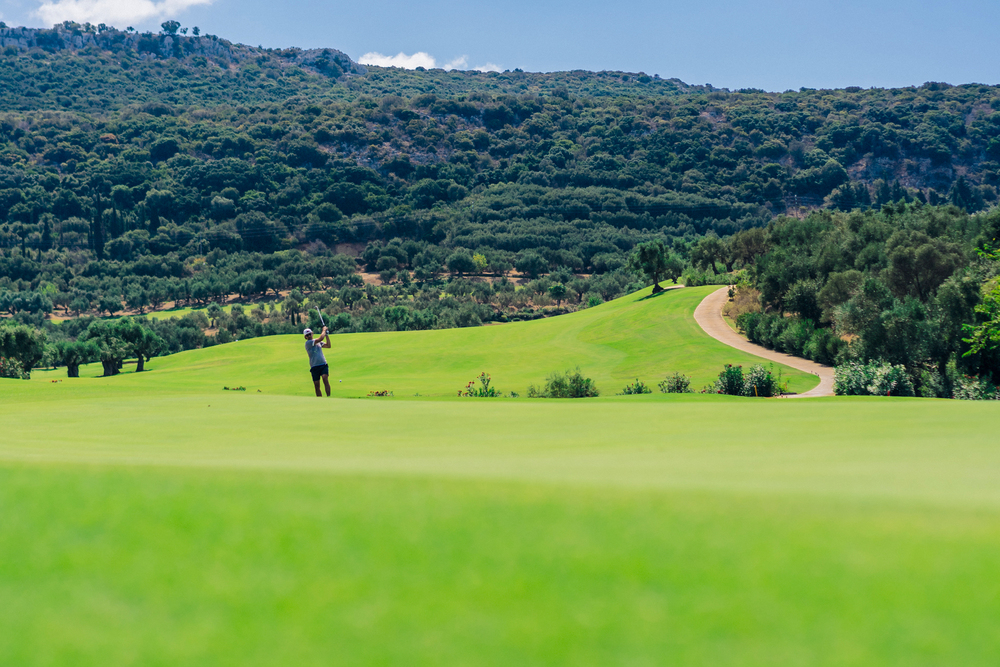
{"x":315,"y":351}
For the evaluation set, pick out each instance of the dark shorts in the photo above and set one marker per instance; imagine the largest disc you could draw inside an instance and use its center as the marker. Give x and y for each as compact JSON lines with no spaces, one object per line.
{"x":319,"y":371}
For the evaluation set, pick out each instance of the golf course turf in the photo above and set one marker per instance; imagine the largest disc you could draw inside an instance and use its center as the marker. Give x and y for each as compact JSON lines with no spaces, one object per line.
{"x":155,"y":519}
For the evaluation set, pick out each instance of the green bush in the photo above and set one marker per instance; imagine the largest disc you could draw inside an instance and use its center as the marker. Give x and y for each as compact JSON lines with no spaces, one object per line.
{"x":571,"y":384}
{"x":637,"y":388}
{"x":760,"y":382}
{"x":934,"y":385}
{"x":730,"y":381}
{"x":677,"y":383}
{"x":792,"y":335}
{"x":872,"y":379}
{"x":975,"y":389}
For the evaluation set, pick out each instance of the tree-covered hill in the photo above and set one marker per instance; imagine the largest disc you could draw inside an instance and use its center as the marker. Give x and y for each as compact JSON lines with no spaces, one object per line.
{"x":217,"y":168}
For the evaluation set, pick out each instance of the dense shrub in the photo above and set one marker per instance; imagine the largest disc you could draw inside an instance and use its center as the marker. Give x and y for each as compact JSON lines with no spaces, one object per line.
{"x":571,"y":384}
{"x":975,"y":389}
{"x":793,"y":335}
{"x":758,"y":382}
{"x":730,"y":381}
{"x":638,"y":387}
{"x":677,"y":383}
{"x":872,"y":379}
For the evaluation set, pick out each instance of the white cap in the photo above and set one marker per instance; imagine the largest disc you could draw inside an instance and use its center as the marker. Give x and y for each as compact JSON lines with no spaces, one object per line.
{"x":307,"y":332}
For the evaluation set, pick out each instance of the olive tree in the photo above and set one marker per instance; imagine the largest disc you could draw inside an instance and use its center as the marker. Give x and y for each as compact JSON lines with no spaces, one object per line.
{"x":21,"y":348}
{"x":652,"y":260}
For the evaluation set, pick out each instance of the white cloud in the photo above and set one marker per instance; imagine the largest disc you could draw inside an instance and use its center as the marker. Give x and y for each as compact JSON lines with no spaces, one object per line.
{"x":112,"y":11}
{"x":422,"y":59}
{"x":419,"y":59}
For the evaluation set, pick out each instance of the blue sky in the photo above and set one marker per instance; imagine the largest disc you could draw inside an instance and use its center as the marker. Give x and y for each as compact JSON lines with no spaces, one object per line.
{"x":770,"y":44}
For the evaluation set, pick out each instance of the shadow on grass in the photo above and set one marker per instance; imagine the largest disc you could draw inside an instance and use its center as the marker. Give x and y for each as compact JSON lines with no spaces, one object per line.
{"x":668,"y":290}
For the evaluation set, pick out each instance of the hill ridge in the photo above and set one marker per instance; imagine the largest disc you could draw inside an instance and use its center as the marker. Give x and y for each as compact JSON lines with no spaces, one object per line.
{"x":71,"y":36}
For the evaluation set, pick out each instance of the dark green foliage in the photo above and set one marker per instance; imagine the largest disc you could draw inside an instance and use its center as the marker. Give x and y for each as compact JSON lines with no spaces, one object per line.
{"x":757,"y":382}
{"x":730,"y":381}
{"x":652,"y":260}
{"x":678,"y":383}
{"x":73,"y":354}
{"x":21,"y":348}
{"x":901,"y":286}
{"x":112,"y":349}
{"x":792,"y":335}
{"x":571,"y":384}
{"x":985,"y":332}
{"x":138,"y":169}
{"x":872,"y":379}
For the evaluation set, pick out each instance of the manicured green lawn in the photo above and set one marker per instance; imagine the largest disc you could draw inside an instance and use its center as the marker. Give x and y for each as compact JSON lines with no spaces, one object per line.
{"x":636,"y":336}
{"x":154,"y":519}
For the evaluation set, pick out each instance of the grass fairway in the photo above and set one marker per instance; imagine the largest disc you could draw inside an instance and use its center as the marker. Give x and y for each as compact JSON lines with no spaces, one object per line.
{"x":634,"y":336}
{"x":154,"y":519}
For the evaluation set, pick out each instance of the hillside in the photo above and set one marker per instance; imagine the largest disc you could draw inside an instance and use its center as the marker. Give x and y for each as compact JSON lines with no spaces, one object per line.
{"x":324,"y":149}
{"x":138,"y":170}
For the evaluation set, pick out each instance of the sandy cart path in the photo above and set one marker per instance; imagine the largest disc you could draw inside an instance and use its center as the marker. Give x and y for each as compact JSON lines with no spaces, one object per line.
{"x":708,"y":315}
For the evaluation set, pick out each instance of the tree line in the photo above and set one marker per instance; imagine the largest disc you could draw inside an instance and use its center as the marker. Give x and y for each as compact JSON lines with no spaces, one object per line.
{"x":908,"y":285}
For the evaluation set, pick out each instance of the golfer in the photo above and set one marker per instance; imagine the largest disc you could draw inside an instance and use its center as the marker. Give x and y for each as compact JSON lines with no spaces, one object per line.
{"x":317,"y":362}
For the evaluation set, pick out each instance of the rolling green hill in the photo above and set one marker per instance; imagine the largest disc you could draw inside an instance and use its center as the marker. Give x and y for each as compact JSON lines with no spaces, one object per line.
{"x":636,"y":336}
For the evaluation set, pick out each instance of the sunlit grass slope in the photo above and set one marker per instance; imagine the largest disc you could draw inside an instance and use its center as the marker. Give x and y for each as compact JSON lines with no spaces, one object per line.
{"x":155,"y":519}
{"x":637,"y":336}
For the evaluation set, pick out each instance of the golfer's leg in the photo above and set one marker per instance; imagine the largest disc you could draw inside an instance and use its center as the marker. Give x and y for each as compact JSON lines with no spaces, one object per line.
{"x":326,"y":383}
{"x":316,"y":384}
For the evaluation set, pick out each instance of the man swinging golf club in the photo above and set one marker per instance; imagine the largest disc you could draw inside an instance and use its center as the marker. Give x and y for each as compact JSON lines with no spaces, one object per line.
{"x":317,"y":362}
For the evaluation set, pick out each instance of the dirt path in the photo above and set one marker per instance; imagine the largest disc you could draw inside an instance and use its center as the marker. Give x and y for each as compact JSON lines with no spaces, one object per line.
{"x":708,"y":315}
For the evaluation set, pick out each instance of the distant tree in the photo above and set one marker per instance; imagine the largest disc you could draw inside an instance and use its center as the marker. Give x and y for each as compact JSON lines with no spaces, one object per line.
{"x":214,"y":310}
{"x":22,"y":347}
{"x":558,"y":292}
{"x":707,"y":252}
{"x":291,"y":307}
{"x":748,"y":245}
{"x":142,"y":342}
{"x":136,"y":297}
{"x":196,"y":31}
{"x":73,"y":354}
{"x":480,"y":261}
{"x":532,"y":264}
{"x":460,"y":262}
{"x":170,"y":27}
{"x":965,"y":196}
{"x":112,"y":350}
{"x":652,"y":260}
{"x":80,"y":304}
{"x":109,"y":303}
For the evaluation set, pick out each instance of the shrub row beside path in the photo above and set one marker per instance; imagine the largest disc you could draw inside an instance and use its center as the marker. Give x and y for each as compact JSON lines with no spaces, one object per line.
{"x":708,"y":315}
